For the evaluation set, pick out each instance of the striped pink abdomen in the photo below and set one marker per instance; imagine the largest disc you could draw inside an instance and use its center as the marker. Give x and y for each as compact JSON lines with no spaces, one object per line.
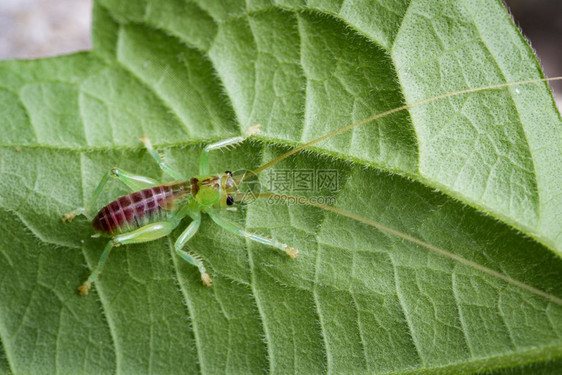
{"x":132,"y":211}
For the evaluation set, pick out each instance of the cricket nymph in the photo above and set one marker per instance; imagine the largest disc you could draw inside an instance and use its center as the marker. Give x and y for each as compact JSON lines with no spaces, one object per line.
{"x":153,"y":210}
{"x":160,"y":202}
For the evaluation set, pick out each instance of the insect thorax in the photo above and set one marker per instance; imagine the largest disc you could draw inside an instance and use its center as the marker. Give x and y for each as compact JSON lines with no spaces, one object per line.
{"x":212,"y":190}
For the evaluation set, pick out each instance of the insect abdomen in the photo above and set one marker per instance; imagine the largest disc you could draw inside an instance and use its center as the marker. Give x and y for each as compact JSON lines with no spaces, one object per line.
{"x":135,"y":210}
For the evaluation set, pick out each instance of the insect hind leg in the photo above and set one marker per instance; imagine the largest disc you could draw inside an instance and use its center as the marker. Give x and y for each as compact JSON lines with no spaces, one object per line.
{"x":133,"y":182}
{"x":147,"y":233}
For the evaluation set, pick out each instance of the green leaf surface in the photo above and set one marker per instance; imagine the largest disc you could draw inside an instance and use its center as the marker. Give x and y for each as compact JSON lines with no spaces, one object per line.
{"x":476,"y":175}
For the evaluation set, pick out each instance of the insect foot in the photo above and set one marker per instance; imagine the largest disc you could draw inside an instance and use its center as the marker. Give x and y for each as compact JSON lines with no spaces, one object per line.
{"x":254,"y":129}
{"x":206,"y":279}
{"x":84,"y":288}
{"x":68,"y":217}
{"x":292,"y":252}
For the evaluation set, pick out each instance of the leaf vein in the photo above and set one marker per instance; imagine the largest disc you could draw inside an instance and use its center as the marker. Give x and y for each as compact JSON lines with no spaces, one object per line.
{"x":107,"y":319}
{"x":464,"y":327}
{"x":402,"y":303}
{"x":189,"y":307}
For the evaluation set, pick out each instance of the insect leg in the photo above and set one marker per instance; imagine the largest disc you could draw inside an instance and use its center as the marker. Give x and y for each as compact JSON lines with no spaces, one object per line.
{"x":147,"y":233}
{"x":183,"y":239}
{"x":133,"y":182}
{"x":231,"y":227}
{"x":156,"y":156}
{"x":204,"y":158}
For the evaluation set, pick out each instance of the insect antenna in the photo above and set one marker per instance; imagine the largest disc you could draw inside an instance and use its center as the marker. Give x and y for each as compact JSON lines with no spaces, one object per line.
{"x":395,"y":110}
{"x":395,"y":232}
{"x":433,"y":248}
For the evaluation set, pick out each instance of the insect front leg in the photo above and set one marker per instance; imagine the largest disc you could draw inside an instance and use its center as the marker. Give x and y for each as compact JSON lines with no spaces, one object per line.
{"x":204,"y":158}
{"x":183,"y":239}
{"x":231,"y":227}
{"x":133,"y":182}
{"x":161,"y":163}
{"x":147,"y":233}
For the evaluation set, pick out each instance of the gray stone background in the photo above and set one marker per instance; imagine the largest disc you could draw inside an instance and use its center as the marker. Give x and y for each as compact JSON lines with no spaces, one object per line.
{"x":36,"y":28}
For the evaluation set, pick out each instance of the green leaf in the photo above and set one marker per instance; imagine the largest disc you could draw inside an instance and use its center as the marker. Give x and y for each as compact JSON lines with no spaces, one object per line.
{"x":476,"y":176}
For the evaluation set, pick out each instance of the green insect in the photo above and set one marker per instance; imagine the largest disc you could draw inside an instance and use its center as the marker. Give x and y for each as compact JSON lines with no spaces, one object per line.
{"x":154,"y":210}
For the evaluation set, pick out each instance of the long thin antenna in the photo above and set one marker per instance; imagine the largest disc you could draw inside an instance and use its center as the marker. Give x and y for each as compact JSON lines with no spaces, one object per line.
{"x":417,"y":241}
{"x":397,"y":109}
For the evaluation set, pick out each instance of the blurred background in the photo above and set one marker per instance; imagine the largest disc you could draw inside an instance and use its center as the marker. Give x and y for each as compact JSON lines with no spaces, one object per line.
{"x":541,"y":23}
{"x":37,"y":28}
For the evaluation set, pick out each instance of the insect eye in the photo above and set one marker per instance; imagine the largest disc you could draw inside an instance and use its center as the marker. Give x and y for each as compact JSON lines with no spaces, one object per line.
{"x":228,"y":173}
{"x":229,"y":200}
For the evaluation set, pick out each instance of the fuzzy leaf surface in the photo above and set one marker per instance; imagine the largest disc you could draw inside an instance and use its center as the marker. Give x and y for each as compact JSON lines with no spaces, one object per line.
{"x":477,"y":175}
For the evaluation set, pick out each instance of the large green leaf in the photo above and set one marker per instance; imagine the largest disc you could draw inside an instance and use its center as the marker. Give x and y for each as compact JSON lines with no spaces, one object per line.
{"x":477,"y":175}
